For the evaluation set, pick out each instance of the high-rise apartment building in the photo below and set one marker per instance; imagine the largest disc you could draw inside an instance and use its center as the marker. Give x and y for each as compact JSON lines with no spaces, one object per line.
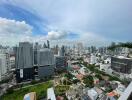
{"x":4,"y":65}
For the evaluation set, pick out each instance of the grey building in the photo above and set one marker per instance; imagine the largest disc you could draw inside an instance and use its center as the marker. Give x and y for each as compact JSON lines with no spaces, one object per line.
{"x":36,"y":48}
{"x":24,"y":62}
{"x":48,"y":44}
{"x":60,"y":63}
{"x":24,"y":55}
{"x":121,"y":64}
{"x":4,"y":65}
{"x":61,"y":52}
{"x":46,"y":63}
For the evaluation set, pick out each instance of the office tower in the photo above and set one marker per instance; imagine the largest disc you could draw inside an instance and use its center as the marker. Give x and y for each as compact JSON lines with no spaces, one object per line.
{"x":89,"y":50}
{"x":48,"y":44}
{"x":24,"y":62}
{"x":56,"y":49}
{"x":122,"y":66}
{"x":93,"y":49}
{"x":101,"y":50}
{"x":93,"y":59}
{"x":60,"y":63}
{"x":130,"y":52}
{"x":80,"y":48}
{"x":24,"y":56}
{"x":46,"y":63}
{"x":4,"y":65}
{"x":12,"y":61}
{"x":36,"y":48}
{"x":44,"y":45}
{"x":61,"y":52}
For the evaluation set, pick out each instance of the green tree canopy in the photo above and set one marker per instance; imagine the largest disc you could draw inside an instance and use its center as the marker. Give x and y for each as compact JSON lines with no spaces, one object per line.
{"x":88,"y":80}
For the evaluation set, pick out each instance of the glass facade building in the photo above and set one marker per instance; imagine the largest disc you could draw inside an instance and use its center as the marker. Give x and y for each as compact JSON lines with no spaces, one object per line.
{"x":122,"y":65}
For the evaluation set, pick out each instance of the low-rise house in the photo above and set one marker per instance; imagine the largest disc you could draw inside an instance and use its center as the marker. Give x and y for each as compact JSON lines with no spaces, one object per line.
{"x":75,"y":67}
{"x":84,"y":71}
{"x":92,"y":93}
{"x":75,"y":92}
{"x":60,"y":98}
{"x":96,"y":80}
{"x":71,"y":94}
{"x":79,"y":76}
{"x":111,"y":95}
{"x":98,"y":90}
{"x":106,"y":68}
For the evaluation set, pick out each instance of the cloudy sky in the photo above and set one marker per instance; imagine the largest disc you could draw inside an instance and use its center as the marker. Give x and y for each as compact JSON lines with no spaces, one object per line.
{"x":93,"y":22}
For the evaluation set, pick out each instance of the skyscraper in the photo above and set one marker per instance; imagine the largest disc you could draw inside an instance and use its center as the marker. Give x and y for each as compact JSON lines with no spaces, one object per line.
{"x":48,"y":44}
{"x":24,"y":55}
{"x":46,"y":63}
{"x":4,"y":65}
{"x":36,"y":47}
{"x":24,"y":61}
{"x":61,"y":52}
{"x":44,"y":45}
{"x":80,"y":47}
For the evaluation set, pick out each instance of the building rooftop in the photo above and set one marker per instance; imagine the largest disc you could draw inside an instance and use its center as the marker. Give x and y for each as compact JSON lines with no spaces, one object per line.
{"x":122,"y":57}
{"x":92,"y":92}
{"x":126,"y":93}
{"x":50,"y":94}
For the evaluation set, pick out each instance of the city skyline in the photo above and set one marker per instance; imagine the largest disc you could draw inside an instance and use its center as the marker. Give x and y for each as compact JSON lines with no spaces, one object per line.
{"x":65,"y":50}
{"x":90,"y":22}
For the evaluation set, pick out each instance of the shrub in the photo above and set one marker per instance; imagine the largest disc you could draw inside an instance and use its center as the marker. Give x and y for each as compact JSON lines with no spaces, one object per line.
{"x":10,"y":91}
{"x":33,"y":82}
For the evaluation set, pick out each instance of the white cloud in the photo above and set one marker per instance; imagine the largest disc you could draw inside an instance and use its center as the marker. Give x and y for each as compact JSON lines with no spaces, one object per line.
{"x":90,"y":38}
{"x":54,"y":35}
{"x":12,"y":31}
{"x":9,"y":27}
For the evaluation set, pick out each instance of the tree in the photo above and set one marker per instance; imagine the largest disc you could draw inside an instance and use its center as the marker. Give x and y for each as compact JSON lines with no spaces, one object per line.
{"x":68,"y":75}
{"x":88,"y":80}
{"x":98,"y":76}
